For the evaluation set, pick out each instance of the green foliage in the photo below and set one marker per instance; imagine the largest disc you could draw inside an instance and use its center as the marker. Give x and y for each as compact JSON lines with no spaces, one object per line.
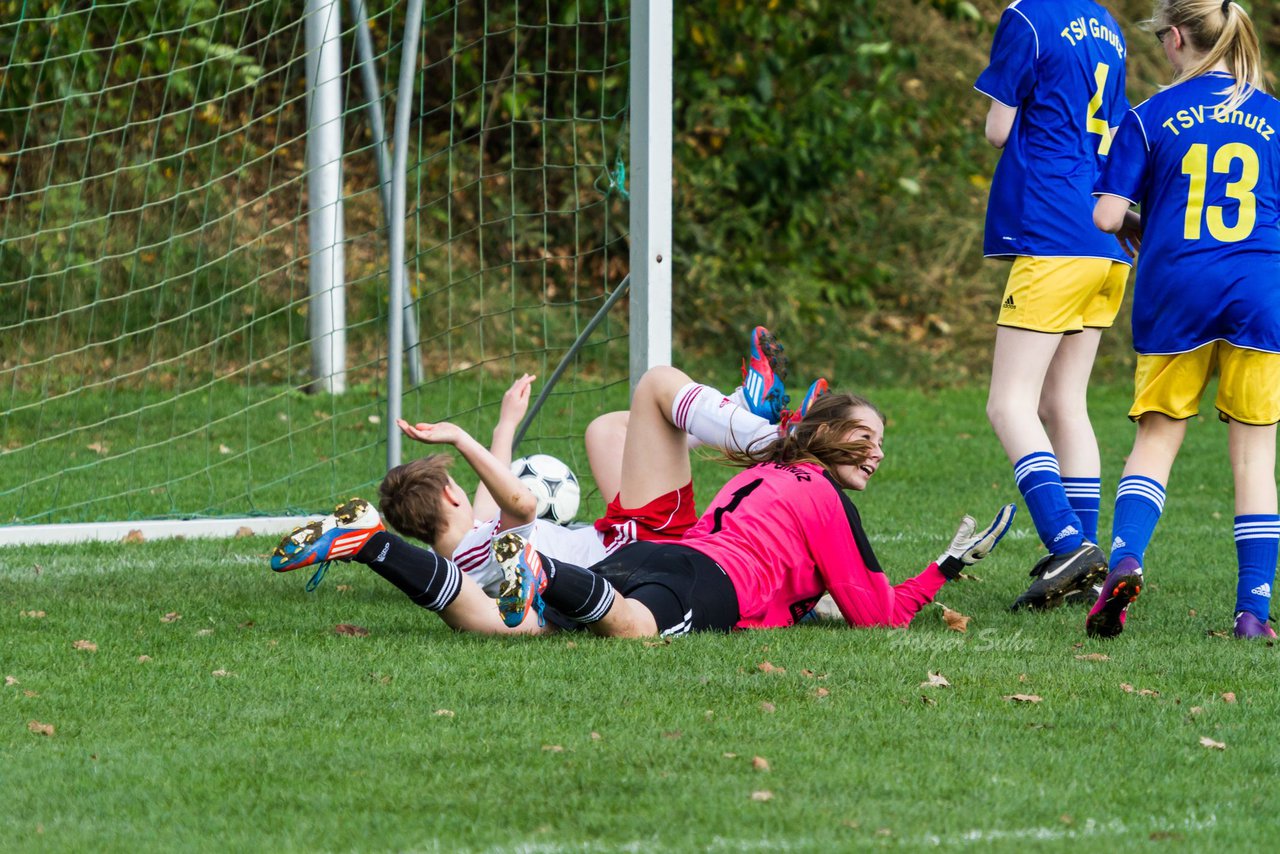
{"x":776,"y":104}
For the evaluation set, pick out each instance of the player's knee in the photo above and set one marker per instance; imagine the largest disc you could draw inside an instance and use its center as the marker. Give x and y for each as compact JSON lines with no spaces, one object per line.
{"x":660,"y":383}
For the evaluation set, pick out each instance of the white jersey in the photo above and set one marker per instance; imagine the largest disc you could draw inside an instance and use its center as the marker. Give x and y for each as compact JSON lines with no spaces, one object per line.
{"x":474,"y":554}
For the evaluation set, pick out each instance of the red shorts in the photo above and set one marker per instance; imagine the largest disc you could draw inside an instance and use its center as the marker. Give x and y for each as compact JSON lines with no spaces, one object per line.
{"x":664,"y":518}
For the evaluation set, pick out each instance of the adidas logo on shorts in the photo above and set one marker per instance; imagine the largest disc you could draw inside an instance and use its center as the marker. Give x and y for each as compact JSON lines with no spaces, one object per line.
{"x":1263,"y":589}
{"x":1008,"y":302}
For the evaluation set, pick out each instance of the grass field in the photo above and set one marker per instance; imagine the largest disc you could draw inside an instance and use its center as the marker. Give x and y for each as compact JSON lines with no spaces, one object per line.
{"x":220,"y":710}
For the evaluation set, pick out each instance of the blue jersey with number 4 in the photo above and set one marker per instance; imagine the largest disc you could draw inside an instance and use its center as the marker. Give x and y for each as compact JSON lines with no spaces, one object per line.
{"x":1209,"y":186}
{"x":1061,"y":63}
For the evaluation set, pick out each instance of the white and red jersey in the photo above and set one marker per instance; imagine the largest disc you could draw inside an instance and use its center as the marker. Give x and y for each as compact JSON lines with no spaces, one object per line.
{"x":664,"y":518}
{"x":786,"y":534}
{"x":474,"y":554}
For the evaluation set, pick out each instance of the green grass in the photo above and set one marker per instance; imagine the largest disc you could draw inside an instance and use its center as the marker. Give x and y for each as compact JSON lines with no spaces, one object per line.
{"x":316,"y":741}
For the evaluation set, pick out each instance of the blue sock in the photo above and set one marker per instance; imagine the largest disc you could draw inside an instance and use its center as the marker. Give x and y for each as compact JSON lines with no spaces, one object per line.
{"x":1085,"y":495}
{"x":1040,"y":483}
{"x":1257,"y":542}
{"x":1139,"y":503}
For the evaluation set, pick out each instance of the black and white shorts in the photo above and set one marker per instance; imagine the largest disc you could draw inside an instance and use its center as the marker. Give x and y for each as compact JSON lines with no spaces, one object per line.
{"x":686,"y":590}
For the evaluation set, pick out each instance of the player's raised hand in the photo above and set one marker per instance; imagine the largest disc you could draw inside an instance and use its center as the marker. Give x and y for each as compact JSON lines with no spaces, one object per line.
{"x":442,"y":433}
{"x":515,"y":401}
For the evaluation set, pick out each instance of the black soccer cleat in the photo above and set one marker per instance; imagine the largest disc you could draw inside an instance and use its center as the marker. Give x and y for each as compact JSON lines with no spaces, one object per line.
{"x":1058,"y":576}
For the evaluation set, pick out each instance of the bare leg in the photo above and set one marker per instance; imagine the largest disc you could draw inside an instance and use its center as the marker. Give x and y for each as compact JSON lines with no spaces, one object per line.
{"x":1253,"y":463}
{"x":1064,"y":405}
{"x":627,"y":618}
{"x":1156,"y":446}
{"x":655,"y":459}
{"x":1018,"y":370}
{"x":605,"y":438}
{"x":473,"y":611}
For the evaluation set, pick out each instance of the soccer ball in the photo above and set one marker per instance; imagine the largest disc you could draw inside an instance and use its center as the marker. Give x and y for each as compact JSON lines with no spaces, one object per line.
{"x":552,"y":483}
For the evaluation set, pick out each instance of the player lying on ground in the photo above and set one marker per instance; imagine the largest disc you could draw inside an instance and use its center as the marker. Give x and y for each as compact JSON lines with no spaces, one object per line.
{"x":1196,"y":158}
{"x":654,"y":501}
{"x":776,"y":537}
{"x":1056,"y":90}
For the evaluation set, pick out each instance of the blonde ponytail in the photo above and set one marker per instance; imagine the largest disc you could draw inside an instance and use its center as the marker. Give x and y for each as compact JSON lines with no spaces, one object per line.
{"x":1224,"y":34}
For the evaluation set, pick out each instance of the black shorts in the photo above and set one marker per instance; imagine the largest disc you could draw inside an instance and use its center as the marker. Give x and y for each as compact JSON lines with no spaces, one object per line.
{"x":686,"y":590}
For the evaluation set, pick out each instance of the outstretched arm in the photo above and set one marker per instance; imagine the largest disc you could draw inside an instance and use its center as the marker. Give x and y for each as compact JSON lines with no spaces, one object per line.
{"x":513,"y":500}
{"x":515,"y":403}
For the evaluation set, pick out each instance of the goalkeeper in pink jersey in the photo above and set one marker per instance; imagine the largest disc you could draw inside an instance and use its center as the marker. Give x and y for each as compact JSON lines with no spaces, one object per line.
{"x":776,"y":537}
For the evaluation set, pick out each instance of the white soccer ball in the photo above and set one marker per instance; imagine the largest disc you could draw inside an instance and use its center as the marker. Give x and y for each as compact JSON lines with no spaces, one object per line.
{"x":552,"y":483}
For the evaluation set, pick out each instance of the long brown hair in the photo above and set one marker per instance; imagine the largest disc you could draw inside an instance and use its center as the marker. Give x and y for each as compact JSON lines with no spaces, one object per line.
{"x":818,"y":437}
{"x":1221,"y":31}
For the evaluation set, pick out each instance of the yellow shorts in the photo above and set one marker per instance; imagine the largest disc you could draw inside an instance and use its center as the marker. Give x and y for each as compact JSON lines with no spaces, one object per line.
{"x":1063,"y":294}
{"x":1248,"y":390}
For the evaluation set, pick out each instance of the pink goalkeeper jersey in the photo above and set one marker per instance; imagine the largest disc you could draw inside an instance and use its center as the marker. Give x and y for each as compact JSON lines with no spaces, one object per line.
{"x":786,"y":534}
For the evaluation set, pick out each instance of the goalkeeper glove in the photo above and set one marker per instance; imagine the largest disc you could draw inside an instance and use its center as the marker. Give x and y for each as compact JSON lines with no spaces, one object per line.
{"x":967,"y":548}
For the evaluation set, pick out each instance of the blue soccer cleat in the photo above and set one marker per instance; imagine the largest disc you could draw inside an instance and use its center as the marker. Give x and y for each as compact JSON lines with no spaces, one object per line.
{"x":337,"y":536}
{"x":523,"y":579}
{"x":790,"y":418}
{"x":764,"y":373}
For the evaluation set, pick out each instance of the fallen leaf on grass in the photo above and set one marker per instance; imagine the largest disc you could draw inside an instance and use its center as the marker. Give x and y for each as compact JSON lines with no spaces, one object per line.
{"x":812,"y":675}
{"x":770,"y":667}
{"x":1093,"y":656}
{"x":350,"y":630}
{"x":1229,"y":697}
{"x":204,"y":633}
{"x":31,"y":693}
{"x":760,"y":763}
{"x":768,"y":708}
{"x":595,"y":736}
{"x":244,"y":531}
{"x":1196,"y":710}
{"x":134,"y":536}
{"x":223,"y":449}
{"x":928,"y":701}
{"x":730,"y":755}
{"x":87,"y":646}
{"x":143,"y":659}
{"x":171,"y":617}
{"x":673,"y":735}
{"x":444,"y":713}
{"x":1205,"y":741}
{"x":99,"y":448}
{"x":955,"y":621}
{"x":821,"y":692}
{"x":762,"y":795}
{"x":9,"y":681}
{"x":850,"y":823}
{"x":247,"y":624}
{"x":344,"y":588}
{"x":1024,"y":698}
{"x":1147,"y":692}
{"x":553,"y":748}
{"x":936,"y":680}
{"x":1191,"y":612}
{"x":1213,"y":633}
{"x":221,"y":673}
{"x":39,"y":728}
{"x":33,"y":615}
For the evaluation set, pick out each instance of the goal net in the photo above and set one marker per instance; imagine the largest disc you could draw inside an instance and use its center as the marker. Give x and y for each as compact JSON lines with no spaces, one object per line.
{"x":156,"y":270}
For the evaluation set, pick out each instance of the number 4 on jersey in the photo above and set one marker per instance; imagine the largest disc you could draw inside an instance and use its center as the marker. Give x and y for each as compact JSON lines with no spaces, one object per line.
{"x":1094,"y":123}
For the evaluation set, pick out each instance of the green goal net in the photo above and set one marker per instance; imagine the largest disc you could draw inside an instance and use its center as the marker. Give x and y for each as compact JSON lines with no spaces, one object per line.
{"x":156,"y":354}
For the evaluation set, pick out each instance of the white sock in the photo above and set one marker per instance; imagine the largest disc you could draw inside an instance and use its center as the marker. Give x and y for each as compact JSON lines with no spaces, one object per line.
{"x":716,"y":420}
{"x":738,"y":399}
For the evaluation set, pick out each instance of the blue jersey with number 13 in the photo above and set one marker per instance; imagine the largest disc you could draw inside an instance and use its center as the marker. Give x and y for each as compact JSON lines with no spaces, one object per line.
{"x":1061,"y":63}
{"x":1208,"y":182}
